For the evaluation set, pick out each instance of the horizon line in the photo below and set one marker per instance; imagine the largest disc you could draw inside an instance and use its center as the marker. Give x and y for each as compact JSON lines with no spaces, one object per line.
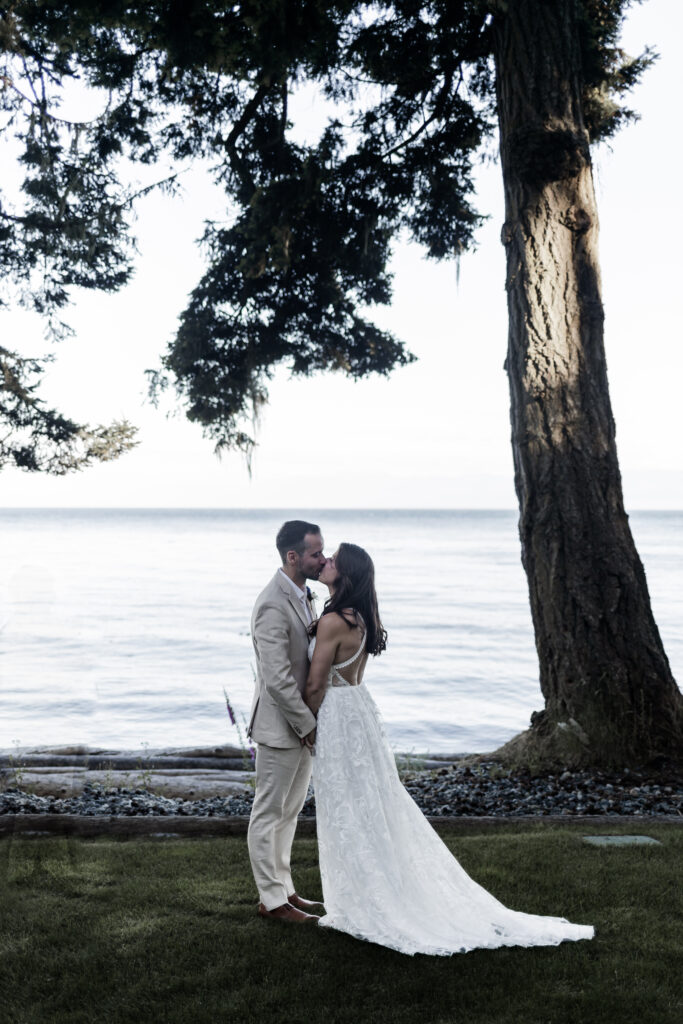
{"x":280,"y":508}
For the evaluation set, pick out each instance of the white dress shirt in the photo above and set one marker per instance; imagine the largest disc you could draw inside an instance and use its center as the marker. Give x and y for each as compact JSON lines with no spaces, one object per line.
{"x":301,"y":595}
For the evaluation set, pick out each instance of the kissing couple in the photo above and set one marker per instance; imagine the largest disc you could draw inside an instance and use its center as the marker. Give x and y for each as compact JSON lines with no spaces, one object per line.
{"x":386,"y":875}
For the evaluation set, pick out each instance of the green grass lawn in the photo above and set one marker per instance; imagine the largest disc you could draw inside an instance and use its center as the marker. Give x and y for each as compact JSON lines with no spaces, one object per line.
{"x":166,"y":931}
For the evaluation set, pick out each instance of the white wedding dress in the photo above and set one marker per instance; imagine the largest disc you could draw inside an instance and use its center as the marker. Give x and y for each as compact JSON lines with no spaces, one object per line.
{"x":386,"y":875}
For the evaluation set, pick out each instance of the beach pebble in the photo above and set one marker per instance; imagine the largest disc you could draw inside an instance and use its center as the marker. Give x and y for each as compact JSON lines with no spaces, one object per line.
{"x":476,"y":790}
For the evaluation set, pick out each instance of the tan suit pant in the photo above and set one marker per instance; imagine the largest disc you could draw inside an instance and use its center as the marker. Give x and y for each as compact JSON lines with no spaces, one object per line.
{"x":282,"y":777}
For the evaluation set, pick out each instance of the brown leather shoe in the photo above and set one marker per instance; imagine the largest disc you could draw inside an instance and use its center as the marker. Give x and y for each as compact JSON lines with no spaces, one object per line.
{"x":301,"y":904}
{"x":289,"y":914}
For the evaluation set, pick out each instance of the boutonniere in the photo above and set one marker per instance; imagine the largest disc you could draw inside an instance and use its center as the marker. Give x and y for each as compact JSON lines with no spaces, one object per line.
{"x":311,"y":596}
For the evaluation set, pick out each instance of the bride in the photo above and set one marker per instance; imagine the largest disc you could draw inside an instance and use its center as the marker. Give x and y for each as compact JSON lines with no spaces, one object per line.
{"x":387,"y":876}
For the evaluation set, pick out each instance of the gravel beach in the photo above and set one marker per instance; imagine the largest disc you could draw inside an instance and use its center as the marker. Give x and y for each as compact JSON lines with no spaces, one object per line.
{"x":456,"y":789}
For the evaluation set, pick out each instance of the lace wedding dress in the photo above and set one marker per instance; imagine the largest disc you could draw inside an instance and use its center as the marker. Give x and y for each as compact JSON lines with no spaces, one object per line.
{"x":387,"y":876}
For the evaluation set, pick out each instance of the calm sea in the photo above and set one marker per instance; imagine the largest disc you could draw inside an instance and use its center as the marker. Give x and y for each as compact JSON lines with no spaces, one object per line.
{"x":120,"y":628}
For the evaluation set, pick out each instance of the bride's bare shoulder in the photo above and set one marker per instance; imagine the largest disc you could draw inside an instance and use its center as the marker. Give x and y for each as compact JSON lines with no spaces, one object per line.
{"x":331,"y":624}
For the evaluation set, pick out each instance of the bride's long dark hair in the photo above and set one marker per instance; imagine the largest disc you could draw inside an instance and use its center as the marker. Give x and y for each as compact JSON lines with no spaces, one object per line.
{"x":355,"y":588}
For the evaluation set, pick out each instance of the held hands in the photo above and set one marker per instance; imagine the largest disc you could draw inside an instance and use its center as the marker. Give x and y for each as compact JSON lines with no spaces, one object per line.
{"x":309,"y":740}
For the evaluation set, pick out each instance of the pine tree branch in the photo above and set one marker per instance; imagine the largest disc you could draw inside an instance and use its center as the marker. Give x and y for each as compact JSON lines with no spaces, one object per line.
{"x":437,"y":112}
{"x":238,"y":164}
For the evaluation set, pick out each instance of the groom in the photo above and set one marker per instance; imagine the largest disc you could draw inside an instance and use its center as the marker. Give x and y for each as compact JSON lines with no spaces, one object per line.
{"x":280,"y":720}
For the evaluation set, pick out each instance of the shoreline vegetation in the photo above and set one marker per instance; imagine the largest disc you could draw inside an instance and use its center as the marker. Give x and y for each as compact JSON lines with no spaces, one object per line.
{"x":218,"y":782}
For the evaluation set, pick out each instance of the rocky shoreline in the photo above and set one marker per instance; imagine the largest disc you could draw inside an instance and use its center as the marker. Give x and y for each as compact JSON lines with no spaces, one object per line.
{"x":181,"y":783}
{"x":487,"y":789}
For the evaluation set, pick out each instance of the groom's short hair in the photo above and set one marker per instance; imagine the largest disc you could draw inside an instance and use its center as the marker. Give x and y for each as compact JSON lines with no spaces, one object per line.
{"x":291,"y":536}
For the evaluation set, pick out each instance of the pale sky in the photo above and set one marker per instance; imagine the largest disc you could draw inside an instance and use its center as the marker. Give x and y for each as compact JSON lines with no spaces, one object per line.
{"x":434,"y":434}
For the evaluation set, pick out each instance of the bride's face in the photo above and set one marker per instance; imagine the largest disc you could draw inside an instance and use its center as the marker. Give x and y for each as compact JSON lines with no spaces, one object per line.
{"x":329,"y":574}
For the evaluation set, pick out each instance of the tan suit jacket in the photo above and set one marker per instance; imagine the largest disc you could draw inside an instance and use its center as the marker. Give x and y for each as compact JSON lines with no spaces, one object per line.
{"x":279,"y":631}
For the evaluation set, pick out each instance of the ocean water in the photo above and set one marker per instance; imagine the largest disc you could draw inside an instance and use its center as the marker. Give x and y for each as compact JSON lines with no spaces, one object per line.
{"x":120,"y":628}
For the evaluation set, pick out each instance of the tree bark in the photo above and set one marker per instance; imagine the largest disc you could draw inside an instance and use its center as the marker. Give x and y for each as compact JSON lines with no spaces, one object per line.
{"x":610,"y":696}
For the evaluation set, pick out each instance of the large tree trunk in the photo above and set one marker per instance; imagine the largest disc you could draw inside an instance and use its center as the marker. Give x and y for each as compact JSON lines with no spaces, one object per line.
{"x":610,"y":696}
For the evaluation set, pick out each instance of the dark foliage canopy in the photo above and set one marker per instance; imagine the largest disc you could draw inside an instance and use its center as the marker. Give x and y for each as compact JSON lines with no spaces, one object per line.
{"x":305,"y":245}
{"x":41,"y":439}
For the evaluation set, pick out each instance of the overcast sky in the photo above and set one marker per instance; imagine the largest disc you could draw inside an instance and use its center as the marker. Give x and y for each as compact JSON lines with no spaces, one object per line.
{"x":435,"y":434}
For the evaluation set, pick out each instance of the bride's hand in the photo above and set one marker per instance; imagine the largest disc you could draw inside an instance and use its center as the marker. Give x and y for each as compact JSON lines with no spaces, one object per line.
{"x":310,"y":739}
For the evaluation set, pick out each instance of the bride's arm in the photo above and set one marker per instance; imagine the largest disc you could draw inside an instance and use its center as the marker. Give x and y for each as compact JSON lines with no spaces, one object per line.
{"x":326,"y":644}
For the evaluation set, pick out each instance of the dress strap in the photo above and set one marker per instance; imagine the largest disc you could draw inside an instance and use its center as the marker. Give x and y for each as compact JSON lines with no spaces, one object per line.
{"x":350,"y":661}
{"x":336,"y":678}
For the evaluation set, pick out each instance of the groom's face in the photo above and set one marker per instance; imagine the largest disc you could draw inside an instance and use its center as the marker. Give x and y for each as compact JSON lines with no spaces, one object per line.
{"x":313,"y":559}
